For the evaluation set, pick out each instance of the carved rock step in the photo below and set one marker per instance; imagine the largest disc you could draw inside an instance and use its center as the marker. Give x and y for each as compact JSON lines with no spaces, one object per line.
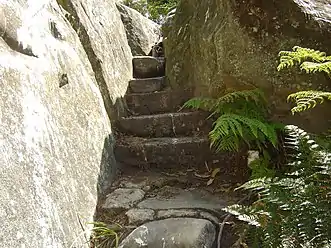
{"x":144,"y":85}
{"x":147,"y":66}
{"x":165,"y":125}
{"x":168,"y":152}
{"x":155,"y":102}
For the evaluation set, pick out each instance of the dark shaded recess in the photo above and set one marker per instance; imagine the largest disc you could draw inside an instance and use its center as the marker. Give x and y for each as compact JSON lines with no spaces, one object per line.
{"x":15,"y":45}
{"x":108,"y":167}
{"x":55,"y":31}
{"x":283,"y":18}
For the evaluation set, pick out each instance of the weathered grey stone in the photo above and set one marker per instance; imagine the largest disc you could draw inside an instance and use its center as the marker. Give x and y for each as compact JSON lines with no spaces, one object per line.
{"x":175,"y":152}
{"x":165,"y":125}
{"x":209,"y":216}
{"x":217,"y":46}
{"x":171,"y":213}
{"x":133,"y":185}
{"x":144,"y":85}
{"x":155,"y":102}
{"x":171,"y":198}
{"x":138,"y":216}
{"x":142,"y":33}
{"x":55,"y":135}
{"x":104,"y":39}
{"x":147,"y":67}
{"x":123,"y":198}
{"x":172,"y":233}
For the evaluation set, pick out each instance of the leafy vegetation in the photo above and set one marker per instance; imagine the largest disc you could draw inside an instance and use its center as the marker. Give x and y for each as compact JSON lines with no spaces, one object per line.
{"x":292,"y":210}
{"x":307,"y":99}
{"x":310,"y":61}
{"x":156,"y":10}
{"x":105,"y":236}
{"x":240,"y":118}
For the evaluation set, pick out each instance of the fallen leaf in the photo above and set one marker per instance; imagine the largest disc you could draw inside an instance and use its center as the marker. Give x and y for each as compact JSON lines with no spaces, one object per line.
{"x":215,"y":172}
{"x":210,"y":181}
{"x":202,"y":176}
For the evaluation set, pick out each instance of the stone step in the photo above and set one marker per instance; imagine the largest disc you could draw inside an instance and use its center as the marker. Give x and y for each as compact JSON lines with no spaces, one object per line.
{"x":169,"y":152}
{"x":155,"y":102}
{"x":145,"y":85}
{"x":163,"y":200}
{"x":165,"y":125}
{"x":147,"y":66}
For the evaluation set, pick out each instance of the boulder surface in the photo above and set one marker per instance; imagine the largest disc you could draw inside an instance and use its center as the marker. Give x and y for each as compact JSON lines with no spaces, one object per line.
{"x":215,"y":46}
{"x":142,"y":33}
{"x":172,"y":233}
{"x":55,"y":134}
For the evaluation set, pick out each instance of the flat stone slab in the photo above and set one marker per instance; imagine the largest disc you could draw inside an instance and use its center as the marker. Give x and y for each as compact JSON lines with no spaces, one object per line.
{"x":123,"y":198}
{"x":155,"y":102}
{"x":145,"y":85}
{"x":165,"y":125}
{"x":163,"y":152}
{"x":148,"y":66}
{"x":176,"y":198}
{"x":172,"y":233}
{"x":139,"y":216}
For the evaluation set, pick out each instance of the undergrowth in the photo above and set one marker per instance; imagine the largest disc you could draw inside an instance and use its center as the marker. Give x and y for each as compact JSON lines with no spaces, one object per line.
{"x":291,"y":207}
{"x":292,"y":210}
{"x":241,"y":117}
{"x":310,"y":61}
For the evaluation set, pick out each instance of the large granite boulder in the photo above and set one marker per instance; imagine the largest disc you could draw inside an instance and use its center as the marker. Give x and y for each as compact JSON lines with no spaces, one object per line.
{"x":172,"y":233}
{"x":215,"y":46}
{"x":104,"y":39}
{"x":55,"y":134}
{"x":142,"y":33}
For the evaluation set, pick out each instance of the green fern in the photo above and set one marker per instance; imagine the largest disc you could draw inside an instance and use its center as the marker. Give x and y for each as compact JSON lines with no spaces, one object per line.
{"x":240,"y":128}
{"x":222,"y":104}
{"x":304,"y":57}
{"x":310,"y":61}
{"x":307,"y":99}
{"x":241,"y":118}
{"x":293,"y":210}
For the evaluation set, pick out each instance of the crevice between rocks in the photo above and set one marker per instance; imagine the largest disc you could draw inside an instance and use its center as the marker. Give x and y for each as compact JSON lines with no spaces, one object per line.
{"x":16,"y":45}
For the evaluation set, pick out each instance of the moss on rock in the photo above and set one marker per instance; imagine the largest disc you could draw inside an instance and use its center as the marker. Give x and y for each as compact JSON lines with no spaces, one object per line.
{"x":217,"y":46}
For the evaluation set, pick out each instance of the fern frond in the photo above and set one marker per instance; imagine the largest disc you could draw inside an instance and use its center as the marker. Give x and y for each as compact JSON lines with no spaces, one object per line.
{"x":307,"y":99}
{"x":255,"y":95}
{"x":237,"y":126}
{"x":312,"y":67}
{"x":300,"y":55}
{"x":204,"y":103}
{"x":293,"y":209}
{"x":249,"y":215}
{"x":226,"y":103}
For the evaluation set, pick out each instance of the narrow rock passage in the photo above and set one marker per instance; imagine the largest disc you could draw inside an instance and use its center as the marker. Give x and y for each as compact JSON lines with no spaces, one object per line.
{"x":162,"y":196}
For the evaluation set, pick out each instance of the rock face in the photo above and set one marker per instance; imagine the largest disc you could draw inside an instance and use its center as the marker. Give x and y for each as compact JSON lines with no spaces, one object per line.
{"x":55,"y":135}
{"x":142,"y":33}
{"x":219,"y":45}
{"x":104,"y":39}
{"x":172,"y":233}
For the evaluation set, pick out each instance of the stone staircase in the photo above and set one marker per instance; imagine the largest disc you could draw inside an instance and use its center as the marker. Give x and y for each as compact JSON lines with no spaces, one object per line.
{"x":156,"y":134}
{"x":162,"y":197}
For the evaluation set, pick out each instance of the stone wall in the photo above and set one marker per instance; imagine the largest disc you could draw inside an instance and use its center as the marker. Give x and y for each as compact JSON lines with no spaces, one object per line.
{"x":216,"y":46}
{"x":55,"y":134}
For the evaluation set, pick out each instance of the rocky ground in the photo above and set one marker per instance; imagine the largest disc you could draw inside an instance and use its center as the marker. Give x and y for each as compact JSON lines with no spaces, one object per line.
{"x":172,"y":187}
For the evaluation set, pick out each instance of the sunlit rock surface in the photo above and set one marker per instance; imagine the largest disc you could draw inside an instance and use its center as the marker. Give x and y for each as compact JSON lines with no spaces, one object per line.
{"x":55,"y":134}
{"x":142,"y":32}
{"x":216,"y":46}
